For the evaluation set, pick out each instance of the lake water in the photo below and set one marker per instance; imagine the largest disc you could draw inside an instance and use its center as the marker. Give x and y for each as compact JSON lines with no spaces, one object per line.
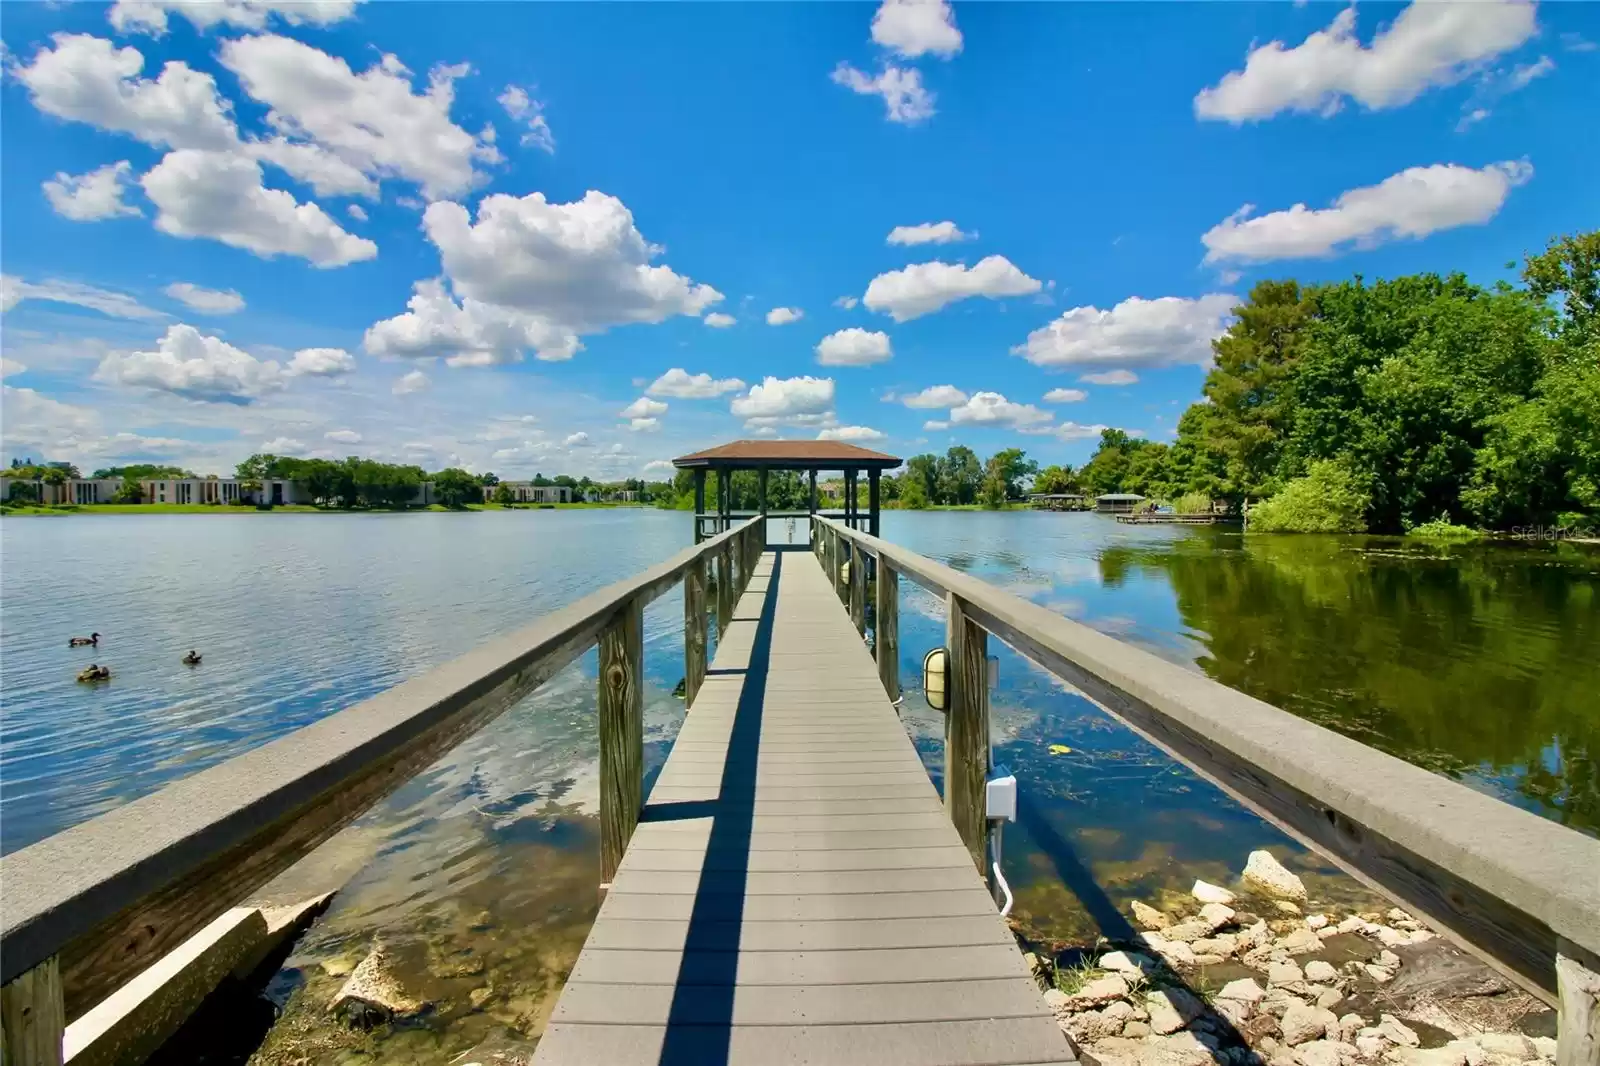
{"x":1480,"y":661}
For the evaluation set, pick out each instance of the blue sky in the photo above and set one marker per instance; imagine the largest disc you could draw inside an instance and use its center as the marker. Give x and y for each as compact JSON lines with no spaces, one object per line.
{"x":582,"y":237}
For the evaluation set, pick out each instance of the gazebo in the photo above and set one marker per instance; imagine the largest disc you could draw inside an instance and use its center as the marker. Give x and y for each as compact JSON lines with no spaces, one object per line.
{"x":763,"y":456}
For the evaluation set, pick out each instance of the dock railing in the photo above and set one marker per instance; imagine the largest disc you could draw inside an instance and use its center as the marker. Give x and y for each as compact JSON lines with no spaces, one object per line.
{"x":88,"y":909}
{"x":1518,"y":891}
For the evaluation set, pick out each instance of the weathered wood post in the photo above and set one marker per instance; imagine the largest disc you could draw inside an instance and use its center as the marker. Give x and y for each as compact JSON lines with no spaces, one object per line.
{"x":621,"y":734}
{"x":858,"y":588}
{"x":886,"y":636}
{"x":33,"y":1017}
{"x":694,"y":629}
{"x":724,"y":588}
{"x":1577,"y":1012}
{"x":966,"y":729}
{"x":699,"y":504}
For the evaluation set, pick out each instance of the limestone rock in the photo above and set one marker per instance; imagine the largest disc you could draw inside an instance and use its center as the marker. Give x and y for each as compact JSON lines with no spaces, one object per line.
{"x":1253,"y":936}
{"x":1172,"y":1009}
{"x":373,"y":994}
{"x":1206,"y":892}
{"x":1188,"y":931}
{"x":1056,"y":1000}
{"x":1205,"y":958}
{"x":1328,"y":998}
{"x":1245,"y":990}
{"x":1098,"y":992}
{"x":1380,"y":974}
{"x":1324,"y":1053}
{"x":1184,"y":1049}
{"x":1302,"y":1023}
{"x":1277,"y":1002}
{"x":1388,"y":960}
{"x":1396,"y":1031}
{"x":1216,"y":915}
{"x":1130,"y":964}
{"x":1136,"y":1028}
{"x":1269,"y":877}
{"x":1545,"y":1046}
{"x":1316,"y":922}
{"x":1371,"y":1047}
{"x":1176,"y":953}
{"x":1235,"y":1011}
{"x":1092,"y":1025}
{"x":1285,"y":973}
{"x":1349,"y":1025}
{"x":1352,"y":924}
{"x":1300,"y":942}
{"x":1283,"y":906}
{"x":1148,"y":917}
{"x":1321,"y":972}
{"x":1390,"y":938}
{"x":1507,"y":1045}
{"x":479,"y":996}
{"x":1437,"y":1056}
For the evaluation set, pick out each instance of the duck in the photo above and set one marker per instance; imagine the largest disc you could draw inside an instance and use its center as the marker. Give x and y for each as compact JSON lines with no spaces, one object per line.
{"x":96,"y":672}
{"x":92,"y":640}
{"x":192,"y":659}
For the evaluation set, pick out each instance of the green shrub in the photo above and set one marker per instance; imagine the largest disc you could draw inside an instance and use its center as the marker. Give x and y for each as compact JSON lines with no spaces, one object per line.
{"x":1192,"y":503}
{"x":1443,"y":529}
{"x":1328,"y":499}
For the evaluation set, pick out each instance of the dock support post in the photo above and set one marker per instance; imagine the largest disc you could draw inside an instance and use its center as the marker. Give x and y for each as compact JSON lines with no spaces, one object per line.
{"x":1577,"y":1012}
{"x":858,"y":588}
{"x":699,"y":504}
{"x":621,"y":734}
{"x":966,"y":732}
{"x":724,"y":588}
{"x":694,"y":630}
{"x":841,"y":555}
{"x":33,"y":1017}
{"x":886,"y":633}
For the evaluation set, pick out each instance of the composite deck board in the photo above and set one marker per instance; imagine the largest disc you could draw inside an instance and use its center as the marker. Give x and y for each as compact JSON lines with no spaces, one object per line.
{"x":794,"y":892}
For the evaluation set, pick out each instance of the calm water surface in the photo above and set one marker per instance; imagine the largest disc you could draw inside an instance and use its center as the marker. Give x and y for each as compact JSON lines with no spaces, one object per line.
{"x":1478,"y":661}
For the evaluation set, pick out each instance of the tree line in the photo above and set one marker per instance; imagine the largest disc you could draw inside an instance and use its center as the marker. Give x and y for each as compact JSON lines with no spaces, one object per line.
{"x":1418,"y":400}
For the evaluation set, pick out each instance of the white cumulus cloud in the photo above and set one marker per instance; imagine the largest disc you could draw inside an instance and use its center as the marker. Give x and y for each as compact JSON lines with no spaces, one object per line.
{"x":854,"y":347}
{"x":150,"y":16}
{"x":524,"y":109}
{"x":1065,"y":396}
{"x":206,"y":301}
{"x":718,"y":320}
{"x":929,"y":233}
{"x":678,"y":383}
{"x":343,"y":436}
{"x":905,"y":100}
{"x":372,"y":121}
{"x":1169,"y":331}
{"x":84,"y":78}
{"x":847,"y":303}
{"x":93,"y":196}
{"x":993,"y":409}
{"x":1069,"y":431}
{"x":530,"y":274}
{"x":220,"y":195}
{"x":284,"y":446}
{"x":409,"y":382}
{"x":1110,"y":377}
{"x":357,"y":212}
{"x":644,"y":425}
{"x":924,"y":288}
{"x":782,"y":316}
{"x":643,"y":407}
{"x":1413,"y":203}
{"x":935,"y":396}
{"x":190,"y":364}
{"x":579,"y":440}
{"x":913,"y":28}
{"x":789,"y":401}
{"x":851,"y":433}
{"x":321,"y":363}
{"x":1427,"y":45}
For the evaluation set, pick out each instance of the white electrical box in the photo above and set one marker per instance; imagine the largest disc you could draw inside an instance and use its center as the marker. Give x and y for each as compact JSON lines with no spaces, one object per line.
{"x":1000,"y":795}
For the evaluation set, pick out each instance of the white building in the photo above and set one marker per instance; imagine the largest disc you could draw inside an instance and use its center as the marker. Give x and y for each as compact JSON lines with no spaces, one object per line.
{"x":76,"y":490}
{"x":528,"y":492}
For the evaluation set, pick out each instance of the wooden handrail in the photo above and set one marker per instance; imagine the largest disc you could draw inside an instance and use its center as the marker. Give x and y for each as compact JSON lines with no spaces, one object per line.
{"x":103,"y":900}
{"x":1515,"y":889}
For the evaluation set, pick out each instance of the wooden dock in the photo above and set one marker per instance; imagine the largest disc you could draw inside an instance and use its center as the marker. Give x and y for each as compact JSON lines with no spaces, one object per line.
{"x":794,"y":891}
{"x":1155,"y":518}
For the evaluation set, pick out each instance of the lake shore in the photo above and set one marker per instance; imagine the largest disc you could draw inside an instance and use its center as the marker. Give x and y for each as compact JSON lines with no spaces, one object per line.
{"x":30,"y":510}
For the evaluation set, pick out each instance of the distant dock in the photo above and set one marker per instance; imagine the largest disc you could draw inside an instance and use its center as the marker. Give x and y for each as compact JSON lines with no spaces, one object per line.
{"x":1157,"y":518}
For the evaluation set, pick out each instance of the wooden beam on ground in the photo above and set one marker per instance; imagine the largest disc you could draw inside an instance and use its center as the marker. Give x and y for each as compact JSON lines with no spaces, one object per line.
{"x":1578,"y":1018}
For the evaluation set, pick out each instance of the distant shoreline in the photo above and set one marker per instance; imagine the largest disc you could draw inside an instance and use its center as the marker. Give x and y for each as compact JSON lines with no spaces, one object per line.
{"x":32,"y":511}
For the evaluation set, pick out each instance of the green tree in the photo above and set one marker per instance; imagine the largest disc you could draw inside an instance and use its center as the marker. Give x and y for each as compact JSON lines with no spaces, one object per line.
{"x":455,"y":488}
{"x":1570,"y":268}
{"x":145,"y":471}
{"x":924,"y":470}
{"x":993,"y":493}
{"x":913,"y":494}
{"x":1330,"y":498}
{"x":504,"y":496}
{"x":1010,"y":467}
{"x":1055,"y":480}
{"x":130,"y":491}
{"x":960,"y":476}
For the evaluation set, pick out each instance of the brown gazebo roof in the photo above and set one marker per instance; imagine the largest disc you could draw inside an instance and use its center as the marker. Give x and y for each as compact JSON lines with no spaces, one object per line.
{"x":793,"y":454}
